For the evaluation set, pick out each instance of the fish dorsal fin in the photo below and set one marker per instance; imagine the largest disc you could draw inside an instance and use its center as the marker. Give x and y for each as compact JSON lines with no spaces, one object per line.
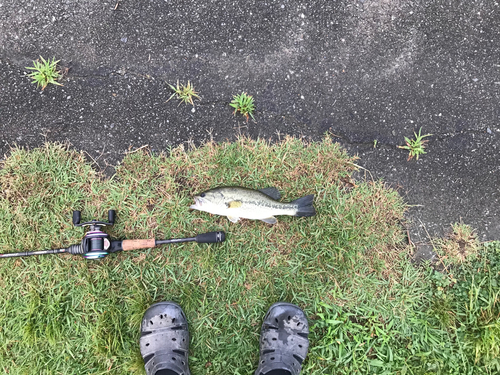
{"x":271,"y":192}
{"x":234,"y":204}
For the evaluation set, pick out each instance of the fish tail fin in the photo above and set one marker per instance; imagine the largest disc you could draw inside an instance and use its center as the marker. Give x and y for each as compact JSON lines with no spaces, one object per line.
{"x":305,"y":206}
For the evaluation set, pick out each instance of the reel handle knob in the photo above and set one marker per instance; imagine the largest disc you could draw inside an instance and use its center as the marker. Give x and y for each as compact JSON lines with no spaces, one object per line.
{"x":77,"y":215}
{"x":111,"y":216}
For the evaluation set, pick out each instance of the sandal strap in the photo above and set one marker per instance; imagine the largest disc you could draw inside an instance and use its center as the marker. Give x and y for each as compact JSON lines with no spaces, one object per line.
{"x":153,"y":342}
{"x":167,"y":361}
{"x":278,"y":361}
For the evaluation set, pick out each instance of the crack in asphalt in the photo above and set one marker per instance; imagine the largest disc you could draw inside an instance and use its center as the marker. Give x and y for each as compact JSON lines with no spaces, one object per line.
{"x":438,"y":136}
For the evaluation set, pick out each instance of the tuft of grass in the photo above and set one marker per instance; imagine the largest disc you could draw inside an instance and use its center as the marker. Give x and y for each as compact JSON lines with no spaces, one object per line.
{"x":416,"y":146}
{"x":460,"y":244}
{"x":183,"y":92}
{"x":45,"y":72}
{"x":244,"y":104}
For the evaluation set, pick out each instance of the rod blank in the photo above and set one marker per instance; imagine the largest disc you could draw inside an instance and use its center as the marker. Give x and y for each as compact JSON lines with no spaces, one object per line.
{"x":29,"y":253}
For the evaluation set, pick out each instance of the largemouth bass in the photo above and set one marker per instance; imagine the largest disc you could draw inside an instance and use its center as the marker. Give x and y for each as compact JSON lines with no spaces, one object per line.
{"x":241,"y":203}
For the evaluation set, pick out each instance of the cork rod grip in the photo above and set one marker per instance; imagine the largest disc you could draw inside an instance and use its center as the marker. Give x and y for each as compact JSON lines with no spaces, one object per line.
{"x":137,"y":244}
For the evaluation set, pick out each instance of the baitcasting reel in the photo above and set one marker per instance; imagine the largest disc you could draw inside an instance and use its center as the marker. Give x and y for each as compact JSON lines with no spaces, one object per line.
{"x":95,"y":243}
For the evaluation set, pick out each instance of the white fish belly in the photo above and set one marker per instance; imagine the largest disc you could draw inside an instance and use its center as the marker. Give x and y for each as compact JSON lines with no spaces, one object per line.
{"x":258,"y":213}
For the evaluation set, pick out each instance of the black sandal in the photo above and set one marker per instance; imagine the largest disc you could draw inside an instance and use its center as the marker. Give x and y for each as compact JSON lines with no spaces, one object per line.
{"x":165,"y":339}
{"x":283,"y":339}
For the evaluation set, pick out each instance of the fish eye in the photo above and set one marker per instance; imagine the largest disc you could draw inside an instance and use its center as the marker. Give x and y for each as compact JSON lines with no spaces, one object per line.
{"x":202,"y":195}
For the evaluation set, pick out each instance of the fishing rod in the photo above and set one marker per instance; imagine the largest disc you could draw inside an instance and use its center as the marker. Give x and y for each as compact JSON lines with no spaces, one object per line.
{"x":96,"y":244}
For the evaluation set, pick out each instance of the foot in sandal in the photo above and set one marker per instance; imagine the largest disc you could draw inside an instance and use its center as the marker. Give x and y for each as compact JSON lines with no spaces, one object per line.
{"x":283,"y":340}
{"x":165,"y":340}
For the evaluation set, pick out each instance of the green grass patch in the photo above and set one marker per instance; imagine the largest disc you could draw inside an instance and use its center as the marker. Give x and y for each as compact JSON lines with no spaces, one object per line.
{"x":45,"y":72}
{"x":416,"y":146}
{"x":244,"y":104}
{"x":185,"y":93}
{"x":63,"y":314}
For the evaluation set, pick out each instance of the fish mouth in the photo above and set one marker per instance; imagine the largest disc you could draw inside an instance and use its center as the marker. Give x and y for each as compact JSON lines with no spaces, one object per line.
{"x":198,"y":202}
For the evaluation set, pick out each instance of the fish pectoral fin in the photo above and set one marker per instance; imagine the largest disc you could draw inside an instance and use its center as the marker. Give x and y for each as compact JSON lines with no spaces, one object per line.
{"x":270,"y":220}
{"x":234,"y":204}
{"x":233,"y":219}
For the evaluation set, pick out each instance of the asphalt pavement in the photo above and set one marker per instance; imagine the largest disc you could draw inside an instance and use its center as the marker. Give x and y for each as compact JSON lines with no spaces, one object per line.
{"x":361,"y":70}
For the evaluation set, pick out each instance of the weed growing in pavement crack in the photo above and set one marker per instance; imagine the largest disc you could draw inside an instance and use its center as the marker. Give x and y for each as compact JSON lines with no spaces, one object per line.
{"x":244,"y":104}
{"x":45,"y":72}
{"x":416,"y":146}
{"x":184,"y":92}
